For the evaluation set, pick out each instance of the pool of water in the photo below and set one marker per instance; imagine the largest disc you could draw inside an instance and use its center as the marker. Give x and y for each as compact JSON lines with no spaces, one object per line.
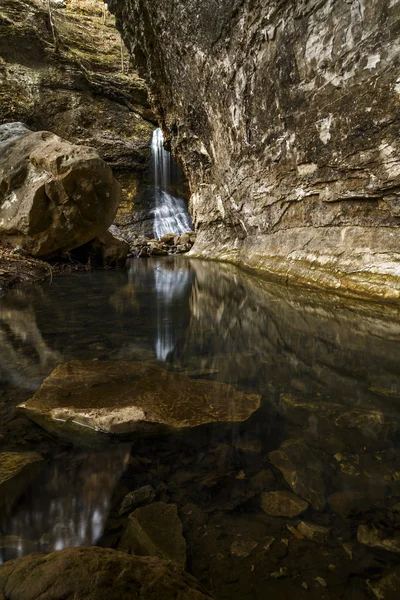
{"x":328,"y":372}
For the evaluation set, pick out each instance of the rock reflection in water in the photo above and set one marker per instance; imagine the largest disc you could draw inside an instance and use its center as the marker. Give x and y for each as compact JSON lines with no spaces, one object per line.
{"x":67,"y":505}
{"x":325,"y":440}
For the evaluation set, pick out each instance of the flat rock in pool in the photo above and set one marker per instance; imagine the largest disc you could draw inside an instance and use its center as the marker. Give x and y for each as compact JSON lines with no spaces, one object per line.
{"x":124,"y":397}
{"x":95,"y":573}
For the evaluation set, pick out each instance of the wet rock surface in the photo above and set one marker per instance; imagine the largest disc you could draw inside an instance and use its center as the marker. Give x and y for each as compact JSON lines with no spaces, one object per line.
{"x":155,"y":530}
{"x":123,"y":397}
{"x":95,"y":572}
{"x":134,"y":499}
{"x":272,"y":108}
{"x":282,"y":504}
{"x":302,"y":469}
{"x":55,"y":196}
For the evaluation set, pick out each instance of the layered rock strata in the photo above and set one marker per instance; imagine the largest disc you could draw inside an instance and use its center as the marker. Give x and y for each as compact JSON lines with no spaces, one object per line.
{"x":285,"y":116}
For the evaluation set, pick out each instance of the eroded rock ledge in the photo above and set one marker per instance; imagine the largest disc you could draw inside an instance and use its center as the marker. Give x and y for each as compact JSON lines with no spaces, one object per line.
{"x":285,"y":116}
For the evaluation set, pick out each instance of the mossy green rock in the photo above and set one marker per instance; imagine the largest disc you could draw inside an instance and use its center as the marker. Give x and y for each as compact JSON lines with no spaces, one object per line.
{"x":155,"y":530}
{"x":95,"y":574}
{"x":17,"y":471}
{"x":124,"y":397}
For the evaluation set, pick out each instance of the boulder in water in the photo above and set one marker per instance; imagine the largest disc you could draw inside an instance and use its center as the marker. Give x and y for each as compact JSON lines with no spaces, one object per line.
{"x":55,"y":196}
{"x":124,"y":397}
{"x":100,"y":573}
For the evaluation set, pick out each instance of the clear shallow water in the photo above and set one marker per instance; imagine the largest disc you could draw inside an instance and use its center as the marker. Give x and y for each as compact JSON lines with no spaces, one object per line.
{"x":213,"y":321}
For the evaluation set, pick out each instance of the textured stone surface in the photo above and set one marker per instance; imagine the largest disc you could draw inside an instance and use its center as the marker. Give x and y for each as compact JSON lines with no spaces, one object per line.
{"x":302,"y":470}
{"x":371,"y":536}
{"x":122,"y":397}
{"x":142,"y":495}
{"x":285,"y":116}
{"x":314,"y":532}
{"x":282,"y":504}
{"x":54,"y":196}
{"x":17,"y":471}
{"x":156,"y":530}
{"x":100,"y":573}
{"x":371,"y":423}
{"x":388,"y":587}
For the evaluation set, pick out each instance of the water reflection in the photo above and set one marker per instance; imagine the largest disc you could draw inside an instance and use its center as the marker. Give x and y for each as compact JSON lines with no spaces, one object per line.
{"x":329,"y":373}
{"x":68,"y":504}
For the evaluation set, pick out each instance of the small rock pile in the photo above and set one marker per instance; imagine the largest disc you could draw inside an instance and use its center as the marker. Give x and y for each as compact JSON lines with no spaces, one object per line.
{"x":169,"y":243}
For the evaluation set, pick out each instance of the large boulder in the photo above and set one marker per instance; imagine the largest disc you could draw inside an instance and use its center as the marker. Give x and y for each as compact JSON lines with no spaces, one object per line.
{"x":95,"y":573}
{"x":124,"y":397}
{"x":54,"y":196}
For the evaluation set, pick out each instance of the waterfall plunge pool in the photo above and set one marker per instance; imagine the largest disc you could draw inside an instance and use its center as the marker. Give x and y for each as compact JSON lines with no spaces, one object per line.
{"x":301,"y":499}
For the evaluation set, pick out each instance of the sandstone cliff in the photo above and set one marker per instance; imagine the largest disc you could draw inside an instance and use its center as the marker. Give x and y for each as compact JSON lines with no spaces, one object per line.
{"x":286,"y":117}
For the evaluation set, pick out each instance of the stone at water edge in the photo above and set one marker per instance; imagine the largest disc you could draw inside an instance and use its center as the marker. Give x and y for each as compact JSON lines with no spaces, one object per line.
{"x":155,"y":530}
{"x":282,"y":504}
{"x":17,"y":471}
{"x":95,"y":573}
{"x":56,"y":196}
{"x":125,"y":397}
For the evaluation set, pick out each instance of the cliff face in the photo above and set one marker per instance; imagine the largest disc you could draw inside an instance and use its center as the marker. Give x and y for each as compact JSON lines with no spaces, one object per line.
{"x":71,"y":81}
{"x":285,"y":116}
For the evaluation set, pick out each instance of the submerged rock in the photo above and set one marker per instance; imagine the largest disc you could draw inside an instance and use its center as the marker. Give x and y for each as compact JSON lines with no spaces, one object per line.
{"x":371,"y":423}
{"x":282,"y":504}
{"x":137,"y":498}
{"x":243,"y":548}
{"x":55,"y":196}
{"x":100,"y":573}
{"x":378,"y":538}
{"x":155,"y":530}
{"x":388,"y":587}
{"x":350,"y":502}
{"x":314,"y":532}
{"x":17,"y":471}
{"x":302,"y":470}
{"x":124,"y":397}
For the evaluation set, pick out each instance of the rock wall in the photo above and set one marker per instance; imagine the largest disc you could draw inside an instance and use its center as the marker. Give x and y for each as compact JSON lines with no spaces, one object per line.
{"x":285,"y":116}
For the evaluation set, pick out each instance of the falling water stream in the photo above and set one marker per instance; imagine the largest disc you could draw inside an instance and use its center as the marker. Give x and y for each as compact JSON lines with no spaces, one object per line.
{"x":170,"y":213}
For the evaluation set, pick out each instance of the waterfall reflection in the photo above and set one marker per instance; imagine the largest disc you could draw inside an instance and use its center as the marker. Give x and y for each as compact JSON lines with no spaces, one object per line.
{"x":68,"y":504}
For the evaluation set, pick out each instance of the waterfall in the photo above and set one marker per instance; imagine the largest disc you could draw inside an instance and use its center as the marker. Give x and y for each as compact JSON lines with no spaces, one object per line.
{"x":170,"y":213}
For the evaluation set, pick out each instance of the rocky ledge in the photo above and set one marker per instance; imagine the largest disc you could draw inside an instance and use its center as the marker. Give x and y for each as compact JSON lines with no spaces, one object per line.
{"x":285,"y":117}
